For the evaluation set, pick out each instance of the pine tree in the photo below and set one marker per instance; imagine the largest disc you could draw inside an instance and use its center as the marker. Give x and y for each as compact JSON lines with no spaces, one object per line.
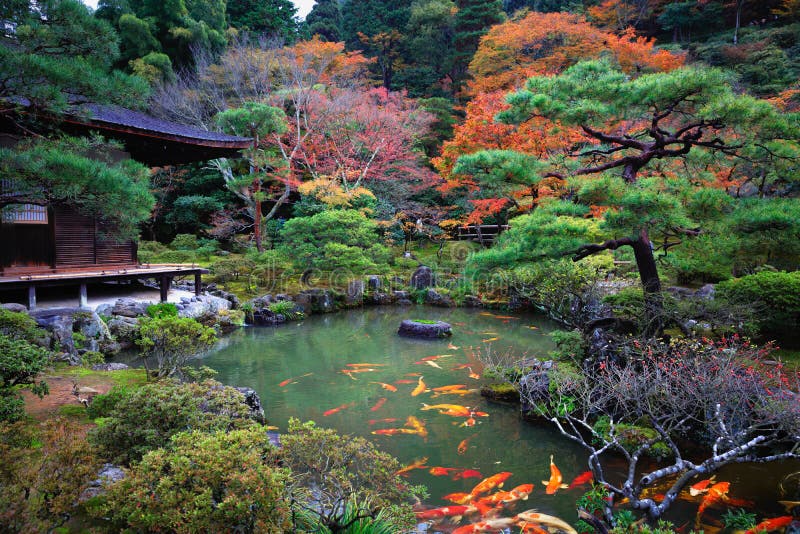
{"x":271,"y":17}
{"x":325,"y":20}
{"x":473,"y":19}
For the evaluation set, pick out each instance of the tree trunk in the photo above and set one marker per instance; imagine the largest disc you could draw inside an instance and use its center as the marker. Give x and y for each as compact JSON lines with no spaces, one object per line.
{"x":739,"y":5}
{"x":257,"y":214}
{"x":651,"y":284}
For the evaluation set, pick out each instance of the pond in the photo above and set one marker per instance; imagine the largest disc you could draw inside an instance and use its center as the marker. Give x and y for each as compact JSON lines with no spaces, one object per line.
{"x":297,"y":369}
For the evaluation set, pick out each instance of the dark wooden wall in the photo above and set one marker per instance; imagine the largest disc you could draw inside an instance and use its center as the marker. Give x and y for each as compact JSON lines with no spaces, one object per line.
{"x":80,"y":242}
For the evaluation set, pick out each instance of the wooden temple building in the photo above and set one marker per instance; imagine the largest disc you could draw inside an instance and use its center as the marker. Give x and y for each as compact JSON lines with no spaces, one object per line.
{"x":44,"y":246}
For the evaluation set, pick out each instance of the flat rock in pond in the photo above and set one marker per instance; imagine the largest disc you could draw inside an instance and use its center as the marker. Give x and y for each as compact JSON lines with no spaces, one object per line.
{"x":424,"y":330}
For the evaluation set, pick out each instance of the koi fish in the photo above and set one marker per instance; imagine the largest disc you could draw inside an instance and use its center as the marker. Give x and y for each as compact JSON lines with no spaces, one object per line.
{"x":386,"y":420}
{"x":701,"y":487}
{"x":469,"y":422}
{"x":532,"y":516}
{"x":412,"y":374}
{"x":489,"y":340}
{"x":429,"y":362}
{"x":416,"y":464}
{"x":467,"y":473}
{"x":506,"y":317}
{"x":445,"y":511}
{"x":441,"y":471}
{"x":288,"y":380}
{"x":454,"y":410}
{"x":531,"y":528}
{"x":392,"y":431}
{"x":771,"y":525}
{"x":431,"y":358}
{"x":378,"y":404}
{"x":532,"y":327}
{"x":420,"y":388}
{"x":520,"y":493}
{"x":403,"y":381}
{"x":458,"y":498}
{"x":462,"y":447}
{"x":488,"y":525}
{"x":365,"y":364}
{"x":454,"y":387}
{"x":461,"y":392}
{"x":554,"y":484}
{"x":490,"y":334}
{"x":488,"y":484}
{"x":385,"y":386}
{"x":473,"y":374}
{"x":717,"y":492}
{"x":338,"y":409}
{"x":450,"y":346}
{"x":486,"y":314}
{"x":460,"y":366}
{"x":417,"y":426}
{"x":580,"y":480}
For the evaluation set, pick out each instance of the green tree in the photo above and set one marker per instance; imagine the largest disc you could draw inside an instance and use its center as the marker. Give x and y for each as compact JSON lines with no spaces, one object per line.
{"x":203,"y":483}
{"x":472,"y":21}
{"x":20,"y":364}
{"x":429,"y":46}
{"x":62,"y":172}
{"x":172,"y":341}
{"x":276,"y":18}
{"x":325,"y":20}
{"x":258,"y":121}
{"x":671,"y":117}
{"x":683,"y":18}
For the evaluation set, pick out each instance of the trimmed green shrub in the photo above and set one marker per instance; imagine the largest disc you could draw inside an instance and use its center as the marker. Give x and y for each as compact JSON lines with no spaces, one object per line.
{"x":162,"y":309}
{"x":171,"y":341}
{"x":20,"y":363}
{"x":776,"y":294}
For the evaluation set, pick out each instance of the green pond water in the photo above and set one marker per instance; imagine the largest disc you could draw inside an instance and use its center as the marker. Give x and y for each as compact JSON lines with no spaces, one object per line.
{"x":320,"y":347}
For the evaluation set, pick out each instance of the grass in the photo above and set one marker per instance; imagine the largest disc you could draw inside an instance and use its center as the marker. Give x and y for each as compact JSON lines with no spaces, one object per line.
{"x":126,"y":377}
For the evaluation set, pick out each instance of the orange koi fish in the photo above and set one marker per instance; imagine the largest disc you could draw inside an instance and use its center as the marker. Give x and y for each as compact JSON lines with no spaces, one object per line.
{"x":454,"y":387}
{"x":486,"y":314}
{"x":403,"y":381}
{"x":701,"y":487}
{"x":450,"y":346}
{"x":506,"y":317}
{"x":520,"y":493}
{"x":417,"y":426}
{"x":717,"y":492}
{"x":461,"y":392}
{"x":462,"y":447}
{"x":771,"y":525}
{"x":431,"y":358}
{"x":458,"y":498}
{"x":473,"y":374}
{"x":488,"y":484}
{"x":497,"y":524}
{"x":531,"y":528}
{"x":454,"y":410}
{"x":489,"y":340}
{"x":420,"y":388}
{"x":416,"y":464}
{"x":378,"y":404}
{"x":580,"y":480}
{"x":386,"y":420}
{"x":365,"y":364}
{"x":288,"y":380}
{"x":387,"y":387}
{"x":532,"y":516}
{"x":460,"y":366}
{"x":446,"y":511}
{"x":467,"y":473}
{"x":412,"y":374}
{"x":338,"y":409}
{"x":554,"y":484}
{"x":441,"y":471}
{"x":532,"y":327}
{"x":392,"y":431}
{"x":469,"y":422}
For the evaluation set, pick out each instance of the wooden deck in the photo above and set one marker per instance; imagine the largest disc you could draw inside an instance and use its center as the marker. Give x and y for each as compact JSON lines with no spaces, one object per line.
{"x":20,"y":278}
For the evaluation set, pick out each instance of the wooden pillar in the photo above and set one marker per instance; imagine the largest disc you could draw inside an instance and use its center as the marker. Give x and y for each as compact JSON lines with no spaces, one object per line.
{"x":84,"y":298}
{"x":31,"y":297}
{"x":198,"y":284}
{"x":164,"y":287}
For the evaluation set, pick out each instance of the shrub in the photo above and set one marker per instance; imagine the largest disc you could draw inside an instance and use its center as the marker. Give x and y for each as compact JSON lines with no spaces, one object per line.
{"x":145,"y":419}
{"x":777,"y":295}
{"x":91,"y":357}
{"x":162,"y":309}
{"x":102,"y":405}
{"x":184,"y":242}
{"x":571,"y":346}
{"x":172,"y":341}
{"x":18,"y":325}
{"x":20,"y":363}
{"x":216,"y":482}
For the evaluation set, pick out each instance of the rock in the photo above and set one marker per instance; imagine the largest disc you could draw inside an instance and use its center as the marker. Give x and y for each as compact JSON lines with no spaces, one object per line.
{"x":374,"y":282}
{"x":204,"y":305}
{"x":401,"y":295}
{"x":424,"y":330}
{"x":108,"y":474}
{"x":14,"y":307}
{"x":253,"y":401}
{"x":434,"y":298}
{"x":534,"y":386}
{"x":472,"y":301}
{"x":282,"y":296}
{"x":104,"y":310}
{"x":316,"y":301}
{"x":124,"y":329}
{"x":130,"y":307}
{"x":355,"y":293}
{"x":379,"y":298}
{"x":109,"y":367}
{"x":706,"y":292}
{"x":404,"y":302}
{"x":230,"y":297}
{"x":422,"y":278}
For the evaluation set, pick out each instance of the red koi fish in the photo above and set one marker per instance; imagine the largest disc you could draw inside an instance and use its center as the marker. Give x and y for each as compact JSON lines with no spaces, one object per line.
{"x":445,"y":511}
{"x":488,"y":484}
{"x":338,"y":409}
{"x":531,"y":528}
{"x":467,"y":473}
{"x":716,"y":493}
{"x":520,"y":493}
{"x":458,"y":498}
{"x":554,"y":484}
{"x":441,"y":471}
{"x":701,"y":487}
{"x":387,"y":420}
{"x":289,"y":380}
{"x":469,"y":422}
{"x":462,"y":447}
{"x":387,"y":387}
{"x":392,"y":431}
{"x":580,"y":480}
{"x":771,"y":525}
{"x":378,"y":404}
{"x":403,"y":381}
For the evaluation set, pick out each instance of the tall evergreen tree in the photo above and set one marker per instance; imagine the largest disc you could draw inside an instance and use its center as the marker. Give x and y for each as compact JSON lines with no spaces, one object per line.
{"x":325,"y":20}
{"x":272,"y":17}
{"x":472,"y":21}
{"x":371,"y":17}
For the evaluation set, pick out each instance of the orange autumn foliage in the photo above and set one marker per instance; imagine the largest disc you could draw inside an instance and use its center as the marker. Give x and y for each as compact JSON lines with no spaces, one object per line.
{"x":548,"y":43}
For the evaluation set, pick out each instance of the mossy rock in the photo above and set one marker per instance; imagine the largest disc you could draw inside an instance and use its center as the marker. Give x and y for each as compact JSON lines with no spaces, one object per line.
{"x":425,"y":329}
{"x":500,"y":392}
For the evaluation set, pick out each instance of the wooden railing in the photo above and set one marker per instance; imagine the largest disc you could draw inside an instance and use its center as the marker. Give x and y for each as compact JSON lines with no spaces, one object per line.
{"x":485,"y":234}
